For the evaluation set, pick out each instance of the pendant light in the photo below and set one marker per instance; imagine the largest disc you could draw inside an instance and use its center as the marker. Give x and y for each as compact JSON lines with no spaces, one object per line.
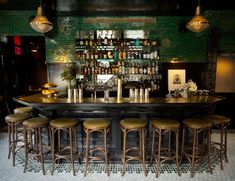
{"x":198,"y":23}
{"x":40,"y":23}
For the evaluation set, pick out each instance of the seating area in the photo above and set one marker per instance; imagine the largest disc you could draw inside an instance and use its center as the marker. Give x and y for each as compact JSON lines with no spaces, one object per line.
{"x":166,"y":133}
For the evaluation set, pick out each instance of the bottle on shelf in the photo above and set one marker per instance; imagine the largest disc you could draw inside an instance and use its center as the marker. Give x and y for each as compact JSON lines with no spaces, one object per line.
{"x":115,"y":54}
{"x":105,"y":55}
{"x":111,"y":40}
{"x":99,"y":40}
{"x":106,"y":40}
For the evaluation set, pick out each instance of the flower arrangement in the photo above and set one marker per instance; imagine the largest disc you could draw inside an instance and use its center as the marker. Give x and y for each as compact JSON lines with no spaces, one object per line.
{"x":191,"y":86}
{"x":189,"y":89}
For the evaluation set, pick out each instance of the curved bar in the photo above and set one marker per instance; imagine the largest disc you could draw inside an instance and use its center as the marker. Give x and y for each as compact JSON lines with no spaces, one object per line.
{"x":40,"y":100}
{"x":178,"y":108}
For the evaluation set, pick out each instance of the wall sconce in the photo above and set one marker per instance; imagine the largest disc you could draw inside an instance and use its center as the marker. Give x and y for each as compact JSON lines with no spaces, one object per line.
{"x":198,"y":23}
{"x":40,"y":23}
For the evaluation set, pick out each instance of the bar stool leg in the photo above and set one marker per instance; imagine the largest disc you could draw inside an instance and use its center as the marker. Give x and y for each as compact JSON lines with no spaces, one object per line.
{"x":41,"y":150}
{"x":194,"y":150}
{"x":159,"y":151}
{"x":71,"y":149}
{"x":152,"y":149}
{"x":225,"y":144}
{"x":124,"y":152}
{"x":209,"y":150}
{"x":106,"y":152}
{"x":182,"y":144}
{"x":13,"y":142}
{"x":87,"y":150}
{"x":25,"y":149}
{"x":9,"y":140}
{"x":53,"y":149}
{"x":143,"y":151}
{"x":221,"y":146}
{"x":177,"y":151}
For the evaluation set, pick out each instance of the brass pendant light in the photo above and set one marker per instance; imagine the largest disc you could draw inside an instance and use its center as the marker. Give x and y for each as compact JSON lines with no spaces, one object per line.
{"x":198,"y":23}
{"x":40,"y":23}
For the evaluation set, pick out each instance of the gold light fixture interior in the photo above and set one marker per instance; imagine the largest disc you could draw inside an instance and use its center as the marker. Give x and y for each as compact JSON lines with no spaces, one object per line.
{"x":198,"y":23}
{"x":40,"y":23}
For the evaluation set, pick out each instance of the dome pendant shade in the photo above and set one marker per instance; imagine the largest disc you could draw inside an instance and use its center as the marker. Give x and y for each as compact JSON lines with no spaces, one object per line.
{"x":198,"y":23}
{"x":40,"y":23}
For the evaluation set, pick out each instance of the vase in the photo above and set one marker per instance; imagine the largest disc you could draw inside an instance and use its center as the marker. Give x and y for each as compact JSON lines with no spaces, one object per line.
{"x":184,"y":93}
{"x":190,"y":94}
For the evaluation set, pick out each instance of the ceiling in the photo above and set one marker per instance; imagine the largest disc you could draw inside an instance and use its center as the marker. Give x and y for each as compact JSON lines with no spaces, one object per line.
{"x":119,"y":7}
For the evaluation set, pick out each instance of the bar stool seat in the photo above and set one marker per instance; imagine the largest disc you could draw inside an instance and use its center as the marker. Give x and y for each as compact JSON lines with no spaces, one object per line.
{"x":96,"y":125}
{"x":23,"y":110}
{"x":161,"y":154}
{"x":18,"y":117}
{"x":164,"y":123}
{"x":197,"y":123}
{"x":133,"y":125}
{"x":219,"y":119}
{"x":67,"y":125}
{"x":33,"y":128}
{"x":221,"y":122}
{"x":15,"y":131}
{"x":196,"y":151}
{"x":63,"y":122}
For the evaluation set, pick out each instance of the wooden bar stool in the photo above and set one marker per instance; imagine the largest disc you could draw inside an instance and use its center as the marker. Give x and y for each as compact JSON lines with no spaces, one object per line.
{"x":101,"y":126}
{"x":163,"y":126}
{"x":195,"y":150}
{"x":67,"y":125}
{"x":15,"y":131}
{"x":133,"y":125}
{"x":222,"y":123}
{"x":28,"y":110}
{"x":33,"y":127}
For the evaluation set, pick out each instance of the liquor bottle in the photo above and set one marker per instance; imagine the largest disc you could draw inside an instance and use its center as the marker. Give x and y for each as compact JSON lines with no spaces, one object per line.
{"x":119,"y":54}
{"x":132,"y":68}
{"x":96,"y":54}
{"x":124,"y":54}
{"x":137,"y":41}
{"x":99,"y":40}
{"x":153,"y":71}
{"x":136,"y":69}
{"x":105,"y":56}
{"x":90,"y":42}
{"x":106,"y":40}
{"x":123,"y":67}
{"x":115,"y":54}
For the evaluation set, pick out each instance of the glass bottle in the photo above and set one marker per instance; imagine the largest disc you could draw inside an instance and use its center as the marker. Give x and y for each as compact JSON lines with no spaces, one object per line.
{"x":106,"y":40}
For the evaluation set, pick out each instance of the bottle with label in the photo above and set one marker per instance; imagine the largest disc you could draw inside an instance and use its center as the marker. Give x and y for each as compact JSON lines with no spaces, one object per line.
{"x":115,"y":54}
{"x":105,"y":56}
{"x":106,"y":40}
{"x":99,"y":40}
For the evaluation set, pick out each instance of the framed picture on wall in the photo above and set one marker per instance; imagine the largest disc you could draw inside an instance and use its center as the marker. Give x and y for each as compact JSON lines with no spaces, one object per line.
{"x":176,"y":78}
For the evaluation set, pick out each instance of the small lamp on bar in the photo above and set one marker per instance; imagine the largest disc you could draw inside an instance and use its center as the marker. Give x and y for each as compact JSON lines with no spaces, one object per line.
{"x":40,"y":23}
{"x":198,"y":23}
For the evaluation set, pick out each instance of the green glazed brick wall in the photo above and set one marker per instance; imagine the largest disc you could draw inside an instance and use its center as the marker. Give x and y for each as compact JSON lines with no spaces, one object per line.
{"x":175,"y":43}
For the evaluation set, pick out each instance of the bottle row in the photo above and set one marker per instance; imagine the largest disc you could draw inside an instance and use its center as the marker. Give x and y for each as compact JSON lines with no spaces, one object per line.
{"x":118,"y":54}
{"x":120,"y":67}
{"x":88,"y":42}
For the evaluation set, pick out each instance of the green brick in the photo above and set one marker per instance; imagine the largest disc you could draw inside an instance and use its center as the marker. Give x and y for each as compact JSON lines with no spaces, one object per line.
{"x":185,"y":45}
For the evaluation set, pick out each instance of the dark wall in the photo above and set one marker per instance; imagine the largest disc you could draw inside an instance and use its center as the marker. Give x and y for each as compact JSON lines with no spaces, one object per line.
{"x":20,"y":71}
{"x":226,"y":107}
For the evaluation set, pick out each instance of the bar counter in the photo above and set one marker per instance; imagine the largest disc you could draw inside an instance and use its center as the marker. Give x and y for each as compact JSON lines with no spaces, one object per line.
{"x":177,"y":108}
{"x":40,"y":100}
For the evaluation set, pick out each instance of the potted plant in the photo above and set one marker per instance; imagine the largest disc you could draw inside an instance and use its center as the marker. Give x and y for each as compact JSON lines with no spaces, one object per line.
{"x":68,"y":74}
